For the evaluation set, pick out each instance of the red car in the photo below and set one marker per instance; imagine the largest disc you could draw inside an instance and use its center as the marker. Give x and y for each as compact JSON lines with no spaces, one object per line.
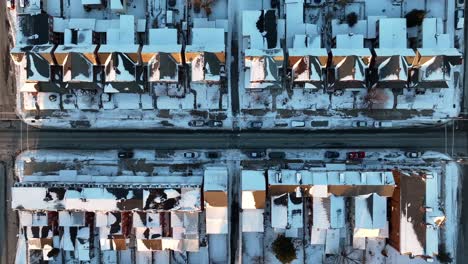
{"x":11,"y":4}
{"x":356,"y":155}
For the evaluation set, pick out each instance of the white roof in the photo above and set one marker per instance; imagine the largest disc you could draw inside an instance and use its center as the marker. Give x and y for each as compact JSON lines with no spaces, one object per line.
{"x":392,"y":52}
{"x":370,"y":211}
{"x":215,"y":179}
{"x":253,"y":180}
{"x":81,"y":23}
{"x":279,"y":213}
{"x":328,"y":212}
{"x":207,"y":39}
{"x":116,"y":5}
{"x":249,"y":28}
{"x":437,"y":52}
{"x":71,"y":218}
{"x":392,"y":33}
{"x":162,"y":36}
{"x":291,"y":177}
{"x":307,"y":52}
{"x":433,"y":34}
{"x":216,"y":220}
{"x":252,"y":220}
{"x":349,"y":41}
{"x":307,"y":41}
{"x":362,"y":52}
{"x":332,"y":241}
{"x":318,"y":236}
{"x":104,"y":180}
{"x":343,"y":28}
{"x":91,"y":2}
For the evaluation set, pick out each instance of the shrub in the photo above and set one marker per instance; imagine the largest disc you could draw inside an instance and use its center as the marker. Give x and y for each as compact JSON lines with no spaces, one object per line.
{"x":351,"y":19}
{"x":415,"y":17}
{"x":284,"y":249}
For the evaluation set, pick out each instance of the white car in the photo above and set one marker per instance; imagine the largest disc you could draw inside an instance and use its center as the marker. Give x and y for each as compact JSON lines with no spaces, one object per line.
{"x":382,"y":124}
{"x":359,"y":124}
{"x":298,"y":124}
{"x":190,"y":155}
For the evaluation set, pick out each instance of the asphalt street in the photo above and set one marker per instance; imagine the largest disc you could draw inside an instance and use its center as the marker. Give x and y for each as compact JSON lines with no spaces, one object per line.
{"x":443,"y":140}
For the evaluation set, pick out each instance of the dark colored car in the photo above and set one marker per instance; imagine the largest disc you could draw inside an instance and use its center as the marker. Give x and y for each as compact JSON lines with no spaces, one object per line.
{"x":256,"y":124}
{"x":212,"y":155}
{"x":277,"y":155}
{"x":413,"y":154}
{"x":356,"y":155}
{"x":214,"y":123}
{"x":332,"y":154}
{"x":125,"y":154}
{"x":196,"y":123}
{"x":256,"y":154}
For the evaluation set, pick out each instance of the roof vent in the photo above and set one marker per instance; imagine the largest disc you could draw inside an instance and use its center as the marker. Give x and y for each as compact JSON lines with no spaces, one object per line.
{"x":279,"y":177}
{"x":299,"y":177}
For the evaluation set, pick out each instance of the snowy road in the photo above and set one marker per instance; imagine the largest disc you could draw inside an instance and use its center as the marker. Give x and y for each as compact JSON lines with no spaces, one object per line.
{"x":12,"y":140}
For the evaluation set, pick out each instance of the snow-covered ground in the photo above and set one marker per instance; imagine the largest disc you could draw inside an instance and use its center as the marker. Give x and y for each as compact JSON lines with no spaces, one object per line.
{"x":279,"y":108}
{"x":36,"y":166}
{"x":162,"y":106}
{"x":173,"y":108}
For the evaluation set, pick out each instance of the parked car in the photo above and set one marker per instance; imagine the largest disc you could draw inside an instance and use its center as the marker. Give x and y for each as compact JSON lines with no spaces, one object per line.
{"x":214,"y":123}
{"x":190,"y":155}
{"x":276,"y":155}
{"x":413,"y":154}
{"x":459,"y":18}
{"x":125,"y":154}
{"x":332,"y":154}
{"x":212,"y":155}
{"x":256,"y":154}
{"x":11,"y":4}
{"x":298,"y":124}
{"x":359,"y":124}
{"x":356,"y":155}
{"x":383,"y":124}
{"x":196,"y":123}
{"x":256,"y":124}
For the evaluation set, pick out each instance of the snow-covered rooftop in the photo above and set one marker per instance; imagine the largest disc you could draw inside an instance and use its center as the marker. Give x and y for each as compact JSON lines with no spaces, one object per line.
{"x":392,"y":33}
{"x":340,"y":183}
{"x":261,"y":28}
{"x":253,"y":220}
{"x":105,"y":199}
{"x":359,"y":28}
{"x":433,"y":34}
{"x":370,"y":211}
{"x":287,"y":211}
{"x":328,"y":212}
{"x":419,"y":214}
{"x":253,"y":189}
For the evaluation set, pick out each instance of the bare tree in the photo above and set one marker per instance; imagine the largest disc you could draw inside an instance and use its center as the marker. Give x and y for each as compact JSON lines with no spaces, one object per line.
{"x":375,"y":96}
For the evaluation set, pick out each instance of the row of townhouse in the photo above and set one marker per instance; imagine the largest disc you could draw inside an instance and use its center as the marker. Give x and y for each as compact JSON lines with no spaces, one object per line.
{"x":97,"y":218}
{"x":116,"y":55}
{"x":341,"y":199}
{"x":82,"y":217}
{"x":302,"y":60}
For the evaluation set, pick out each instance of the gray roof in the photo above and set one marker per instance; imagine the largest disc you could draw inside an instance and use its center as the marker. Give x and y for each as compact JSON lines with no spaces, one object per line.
{"x":38,"y":68}
{"x":163,"y":67}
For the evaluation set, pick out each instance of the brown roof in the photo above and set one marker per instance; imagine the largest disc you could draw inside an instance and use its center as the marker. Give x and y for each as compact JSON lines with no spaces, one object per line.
{"x":216,"y":198}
